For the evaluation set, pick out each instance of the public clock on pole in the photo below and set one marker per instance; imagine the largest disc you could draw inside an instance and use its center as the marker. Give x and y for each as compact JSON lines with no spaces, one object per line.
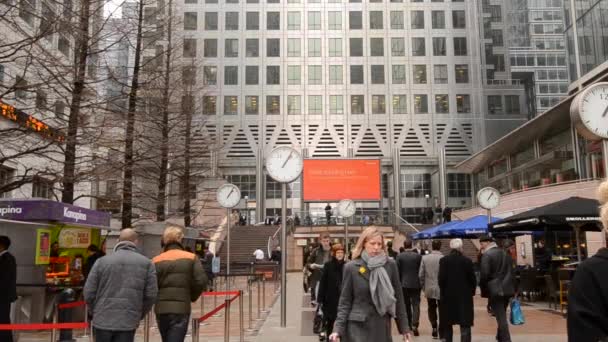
{"x":228,"y":195}
{"x":284,"y":164}
{"x":488,"y":198}
{"x":589,"y":112}
{"x":346,"y":208}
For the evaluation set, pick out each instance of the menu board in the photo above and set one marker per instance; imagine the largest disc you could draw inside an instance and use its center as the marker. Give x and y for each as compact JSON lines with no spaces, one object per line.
{"x":74,"y":238}
{"x":43,"y":246}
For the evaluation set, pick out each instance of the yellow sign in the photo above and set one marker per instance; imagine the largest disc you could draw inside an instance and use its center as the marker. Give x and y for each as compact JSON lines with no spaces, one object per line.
{"x":43,"y":246}
{"x":74,"y":238}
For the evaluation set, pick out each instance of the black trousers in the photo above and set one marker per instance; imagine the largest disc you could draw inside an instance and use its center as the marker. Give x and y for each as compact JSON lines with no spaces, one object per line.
{"x":173,"y":327}
{"x":412,"y":306}
{"x":113,"y":336}
{"x":448,"y":333}
{"x":499,"y":307}
{"x":433,"y":311}
{"x":329,"y":327}
{"x":5,"y":318}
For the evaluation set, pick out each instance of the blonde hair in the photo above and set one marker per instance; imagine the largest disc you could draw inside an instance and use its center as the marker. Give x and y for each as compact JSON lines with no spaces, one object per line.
{"x":602,"y":197}
{"x":173,"y":234}
{"x":369,"y":233}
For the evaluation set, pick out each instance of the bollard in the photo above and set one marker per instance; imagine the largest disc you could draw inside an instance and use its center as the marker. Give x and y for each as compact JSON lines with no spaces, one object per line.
{"x":241,"y":317}
{"x":195,"y":328}
{"x":54,"y":331}
{"x":65,"y":315}
{"x":259,"y":300}
{"x":227,"y":321}
{"x":264,"y":309}
{"x":86,"y":319}
{"x":202,"y":303}
{"x":250,"y":304}
{"x":214,"y":297}
{"x":147,"y":328}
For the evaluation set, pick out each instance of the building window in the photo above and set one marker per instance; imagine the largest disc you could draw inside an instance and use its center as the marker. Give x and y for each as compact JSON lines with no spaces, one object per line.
{"x":273,"y":105}
{"x":189,"y":47}
{"x":399,"y":104}
{"x":273,"y":20}
{"x":417,"y":20}
{"x":512,"y":104}
{"x":355,"y":20}
{"x":42,"y":188}
{"x":253,"y":21}
{"x":397,"y":47}
{"x":273,"y":74}
{"x":246,"y":183}
{"x":418,"y":47}
{"x":231,"y":75}
{"x":356,"y":47}
{"x":335,"y":74}
{"x":419,"y":74}
{"x":231,"y":105}
{"x":463,"y":103}
{"x":273,"y":47}
{"x":210,"y":75}
{"x":251,"y":105}
{"x":497,"y":38}
{"x":440,"y":73}
{"x":377,"y":74}
{"x":252,"y":47}
{"x":460,"y":46}
{"x":6,"y":176}
{"x":231,"y":48}
{"x":462,"y":73}
{"x":314,"y":20}
{"x":442,"y":104}
{"x":293,"y":74}
{"x":336,"y":104}
{"x":376,"y":20}
{"x":232,"y":21}
{"x":27,"y":11}
{"x":335,"y":47}
{"x":495,"y":104}
{"x":439,"y":48}
{"x":458,"y":19}
{"x":209,"y":105}
{"x":209,"y":48}
{"x":376,"y":47}
{"x":438,"y":19}
{"x":421,"y":104}
{"x":41,"y":100}
{"x":378,"y":104}
{"x":294,"y":47}
{"x":459,"y":185}
{"x":273,"y":191}
{"x":335,"y":20}
{"x":252,"y":74}
{"x":294,"y":104}
{"x":315,"y":104}
{"x":398,"y":74}
{"x":397,"y":20}
{"x":190,"y":21}
{"x":314,"y":47}
{"x":314,"y":74}
{"x":293,"y":20}
{"x":211,"y":21}
{"x":59,"y":109}
{"x":414,"y":214}
{"x":356,"y":74}
{"x":415,"y":185}
{"x":357,"y":104}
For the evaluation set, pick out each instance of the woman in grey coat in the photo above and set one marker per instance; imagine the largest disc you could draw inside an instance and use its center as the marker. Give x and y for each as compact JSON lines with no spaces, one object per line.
{"x":371,"y":295}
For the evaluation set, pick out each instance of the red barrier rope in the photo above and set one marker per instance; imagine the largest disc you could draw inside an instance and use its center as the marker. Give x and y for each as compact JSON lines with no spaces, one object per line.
{"x":71,"y":305}
{"x":222,"y":306}
{"x":226,"y":293}
{"x":44,"y":326}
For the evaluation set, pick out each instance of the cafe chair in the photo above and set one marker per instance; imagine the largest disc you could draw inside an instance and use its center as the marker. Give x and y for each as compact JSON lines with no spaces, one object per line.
{"x":552,"y":292}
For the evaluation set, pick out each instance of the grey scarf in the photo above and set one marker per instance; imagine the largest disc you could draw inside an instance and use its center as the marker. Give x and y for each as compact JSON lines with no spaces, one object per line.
{"x":381,"y":288}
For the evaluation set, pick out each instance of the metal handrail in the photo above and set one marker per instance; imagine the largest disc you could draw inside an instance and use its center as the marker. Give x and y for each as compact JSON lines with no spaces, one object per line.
{"x":405,"y":221}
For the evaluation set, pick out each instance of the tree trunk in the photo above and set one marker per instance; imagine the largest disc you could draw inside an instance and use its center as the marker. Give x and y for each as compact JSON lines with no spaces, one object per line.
{"x":82,"y":51}
{"x":127,"y":188}
{"x":187,"y":218}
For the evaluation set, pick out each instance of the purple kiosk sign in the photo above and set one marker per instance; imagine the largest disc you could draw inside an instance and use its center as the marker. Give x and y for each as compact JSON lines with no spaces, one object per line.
{"x":34,"y":210}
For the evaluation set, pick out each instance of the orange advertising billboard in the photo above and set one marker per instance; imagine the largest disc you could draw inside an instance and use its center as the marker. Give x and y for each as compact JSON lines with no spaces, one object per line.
{"x":338,"y":179}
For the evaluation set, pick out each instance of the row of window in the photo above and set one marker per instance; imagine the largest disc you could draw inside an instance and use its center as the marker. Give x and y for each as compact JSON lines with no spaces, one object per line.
{"x":314,"y":20}
{"x":313,"y":1}
{"x":542,"y":60}
{"x":335,"y":74}
{"x":511,"y":104}
{"x":41,"y":188}
{"x":334,"y":46}
{"x":335,"y":104}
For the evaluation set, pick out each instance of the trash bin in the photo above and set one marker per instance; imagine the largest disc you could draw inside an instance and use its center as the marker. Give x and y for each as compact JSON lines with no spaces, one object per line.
{"x":65,"y":315}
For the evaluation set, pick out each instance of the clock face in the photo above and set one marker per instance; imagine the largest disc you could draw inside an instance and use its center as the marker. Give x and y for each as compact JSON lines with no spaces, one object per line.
{"x":488,"y":198}
{"x":228,"y":195}
{"x":346,"y":208}
{"x":284,"y":164}
{"x":592,"y":111}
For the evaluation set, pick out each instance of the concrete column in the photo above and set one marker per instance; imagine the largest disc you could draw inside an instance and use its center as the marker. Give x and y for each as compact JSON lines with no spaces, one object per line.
{"x":260,"y":187}
{"x":396,"y":187}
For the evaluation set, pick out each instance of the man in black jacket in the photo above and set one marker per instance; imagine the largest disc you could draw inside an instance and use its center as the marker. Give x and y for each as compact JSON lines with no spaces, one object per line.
{"x":8,"y":286}
{"x":496,"y":282}
{"x":408,"y":264}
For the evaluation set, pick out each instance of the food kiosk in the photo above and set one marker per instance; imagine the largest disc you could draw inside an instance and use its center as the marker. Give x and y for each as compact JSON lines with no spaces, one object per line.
{"x":34,"y":226}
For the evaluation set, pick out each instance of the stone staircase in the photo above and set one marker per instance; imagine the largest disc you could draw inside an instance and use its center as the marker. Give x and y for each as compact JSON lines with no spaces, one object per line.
{"x":245,"y":240}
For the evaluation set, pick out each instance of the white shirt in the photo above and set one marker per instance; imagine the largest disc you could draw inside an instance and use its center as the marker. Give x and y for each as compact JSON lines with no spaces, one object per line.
{"x":259,"y":254}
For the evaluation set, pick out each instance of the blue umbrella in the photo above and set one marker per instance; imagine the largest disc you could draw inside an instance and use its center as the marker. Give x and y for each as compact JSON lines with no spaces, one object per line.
{"x":432,"y":232}
{"x":475,"y":225}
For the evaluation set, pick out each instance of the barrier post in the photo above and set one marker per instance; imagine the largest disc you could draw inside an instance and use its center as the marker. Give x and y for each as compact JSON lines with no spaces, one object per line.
{"x":259,"y":299}
{"x":264,"y":309}
{"x":202,"y":303}
{"x":249,"y":294}
{"x":54,"y":331}
{"x":276,"y":277}
{"x":214,"y":297}
{"x":147,"y":328}
{"x":241,"y":317}
{"x":86,"y":319}
{"x":227,"y":320}
{"x":195,"y":330}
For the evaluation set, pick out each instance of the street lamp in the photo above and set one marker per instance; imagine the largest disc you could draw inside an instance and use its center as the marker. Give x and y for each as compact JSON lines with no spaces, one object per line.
{"x":247,"y":209}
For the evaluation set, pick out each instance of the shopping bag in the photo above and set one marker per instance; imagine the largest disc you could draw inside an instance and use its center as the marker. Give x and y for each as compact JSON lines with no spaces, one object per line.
{"x":317,"y":325}
{"x":517,"y":315}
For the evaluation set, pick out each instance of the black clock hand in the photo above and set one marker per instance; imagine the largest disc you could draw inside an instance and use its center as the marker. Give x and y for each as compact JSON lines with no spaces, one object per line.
{"x":605,"y":112}
{"x":230,"y":193}
{"x":286,"y":160}
{"x":492,"y":194}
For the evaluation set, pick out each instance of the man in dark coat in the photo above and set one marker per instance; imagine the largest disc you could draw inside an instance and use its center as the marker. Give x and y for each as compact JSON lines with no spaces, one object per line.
{"x":457,"y":283}
{"x":8,"y":286}
{"x":496,"y":282}
{"x":588,"y":300}
{"x":93,"y":254}
{"x":408,"y":264}
{"x":330,"y":287}
{"x":317,"y":258}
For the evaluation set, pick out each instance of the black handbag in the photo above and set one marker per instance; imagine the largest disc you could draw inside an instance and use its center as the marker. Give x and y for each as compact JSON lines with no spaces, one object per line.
{"x":317,"y":324}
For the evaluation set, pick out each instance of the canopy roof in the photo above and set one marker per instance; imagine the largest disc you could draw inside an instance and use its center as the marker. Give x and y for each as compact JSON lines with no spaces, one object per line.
{"x":475,"y":225}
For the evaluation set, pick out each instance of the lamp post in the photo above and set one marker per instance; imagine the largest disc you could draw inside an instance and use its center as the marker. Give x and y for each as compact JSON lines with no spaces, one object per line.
{"x":247,"y":209}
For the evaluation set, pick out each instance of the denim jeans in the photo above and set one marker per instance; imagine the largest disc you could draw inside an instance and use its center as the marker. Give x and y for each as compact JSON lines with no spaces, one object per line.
{"x":499,"y":307}
{"x":113,"y":336}
{"x":173,"y":327}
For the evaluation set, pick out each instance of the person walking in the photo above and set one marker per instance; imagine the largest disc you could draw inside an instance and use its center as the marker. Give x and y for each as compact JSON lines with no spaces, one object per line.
{"x":457,"y":284}
{"x":588,"y":295}
{"x":391,"y":252}
{"x":408,"y":263}
{"x":258,"y":255}
{"x":496,"y":282}
{"x":8,"y":286}
{"x":120,"y":290}
{"x":370,"y":295}
{"x":328,"y":213}
{"x":93,"y":254}
{"x":330,"y":287}
{"x":429,"y":281}
{"x":181,"y":280}
{"x":317,"y":258}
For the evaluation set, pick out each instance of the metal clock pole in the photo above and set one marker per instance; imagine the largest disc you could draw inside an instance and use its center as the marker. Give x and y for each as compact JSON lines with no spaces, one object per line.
{"x":228,"y":241}
{"x":346,"y":237}
{"x":283,"y":255}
